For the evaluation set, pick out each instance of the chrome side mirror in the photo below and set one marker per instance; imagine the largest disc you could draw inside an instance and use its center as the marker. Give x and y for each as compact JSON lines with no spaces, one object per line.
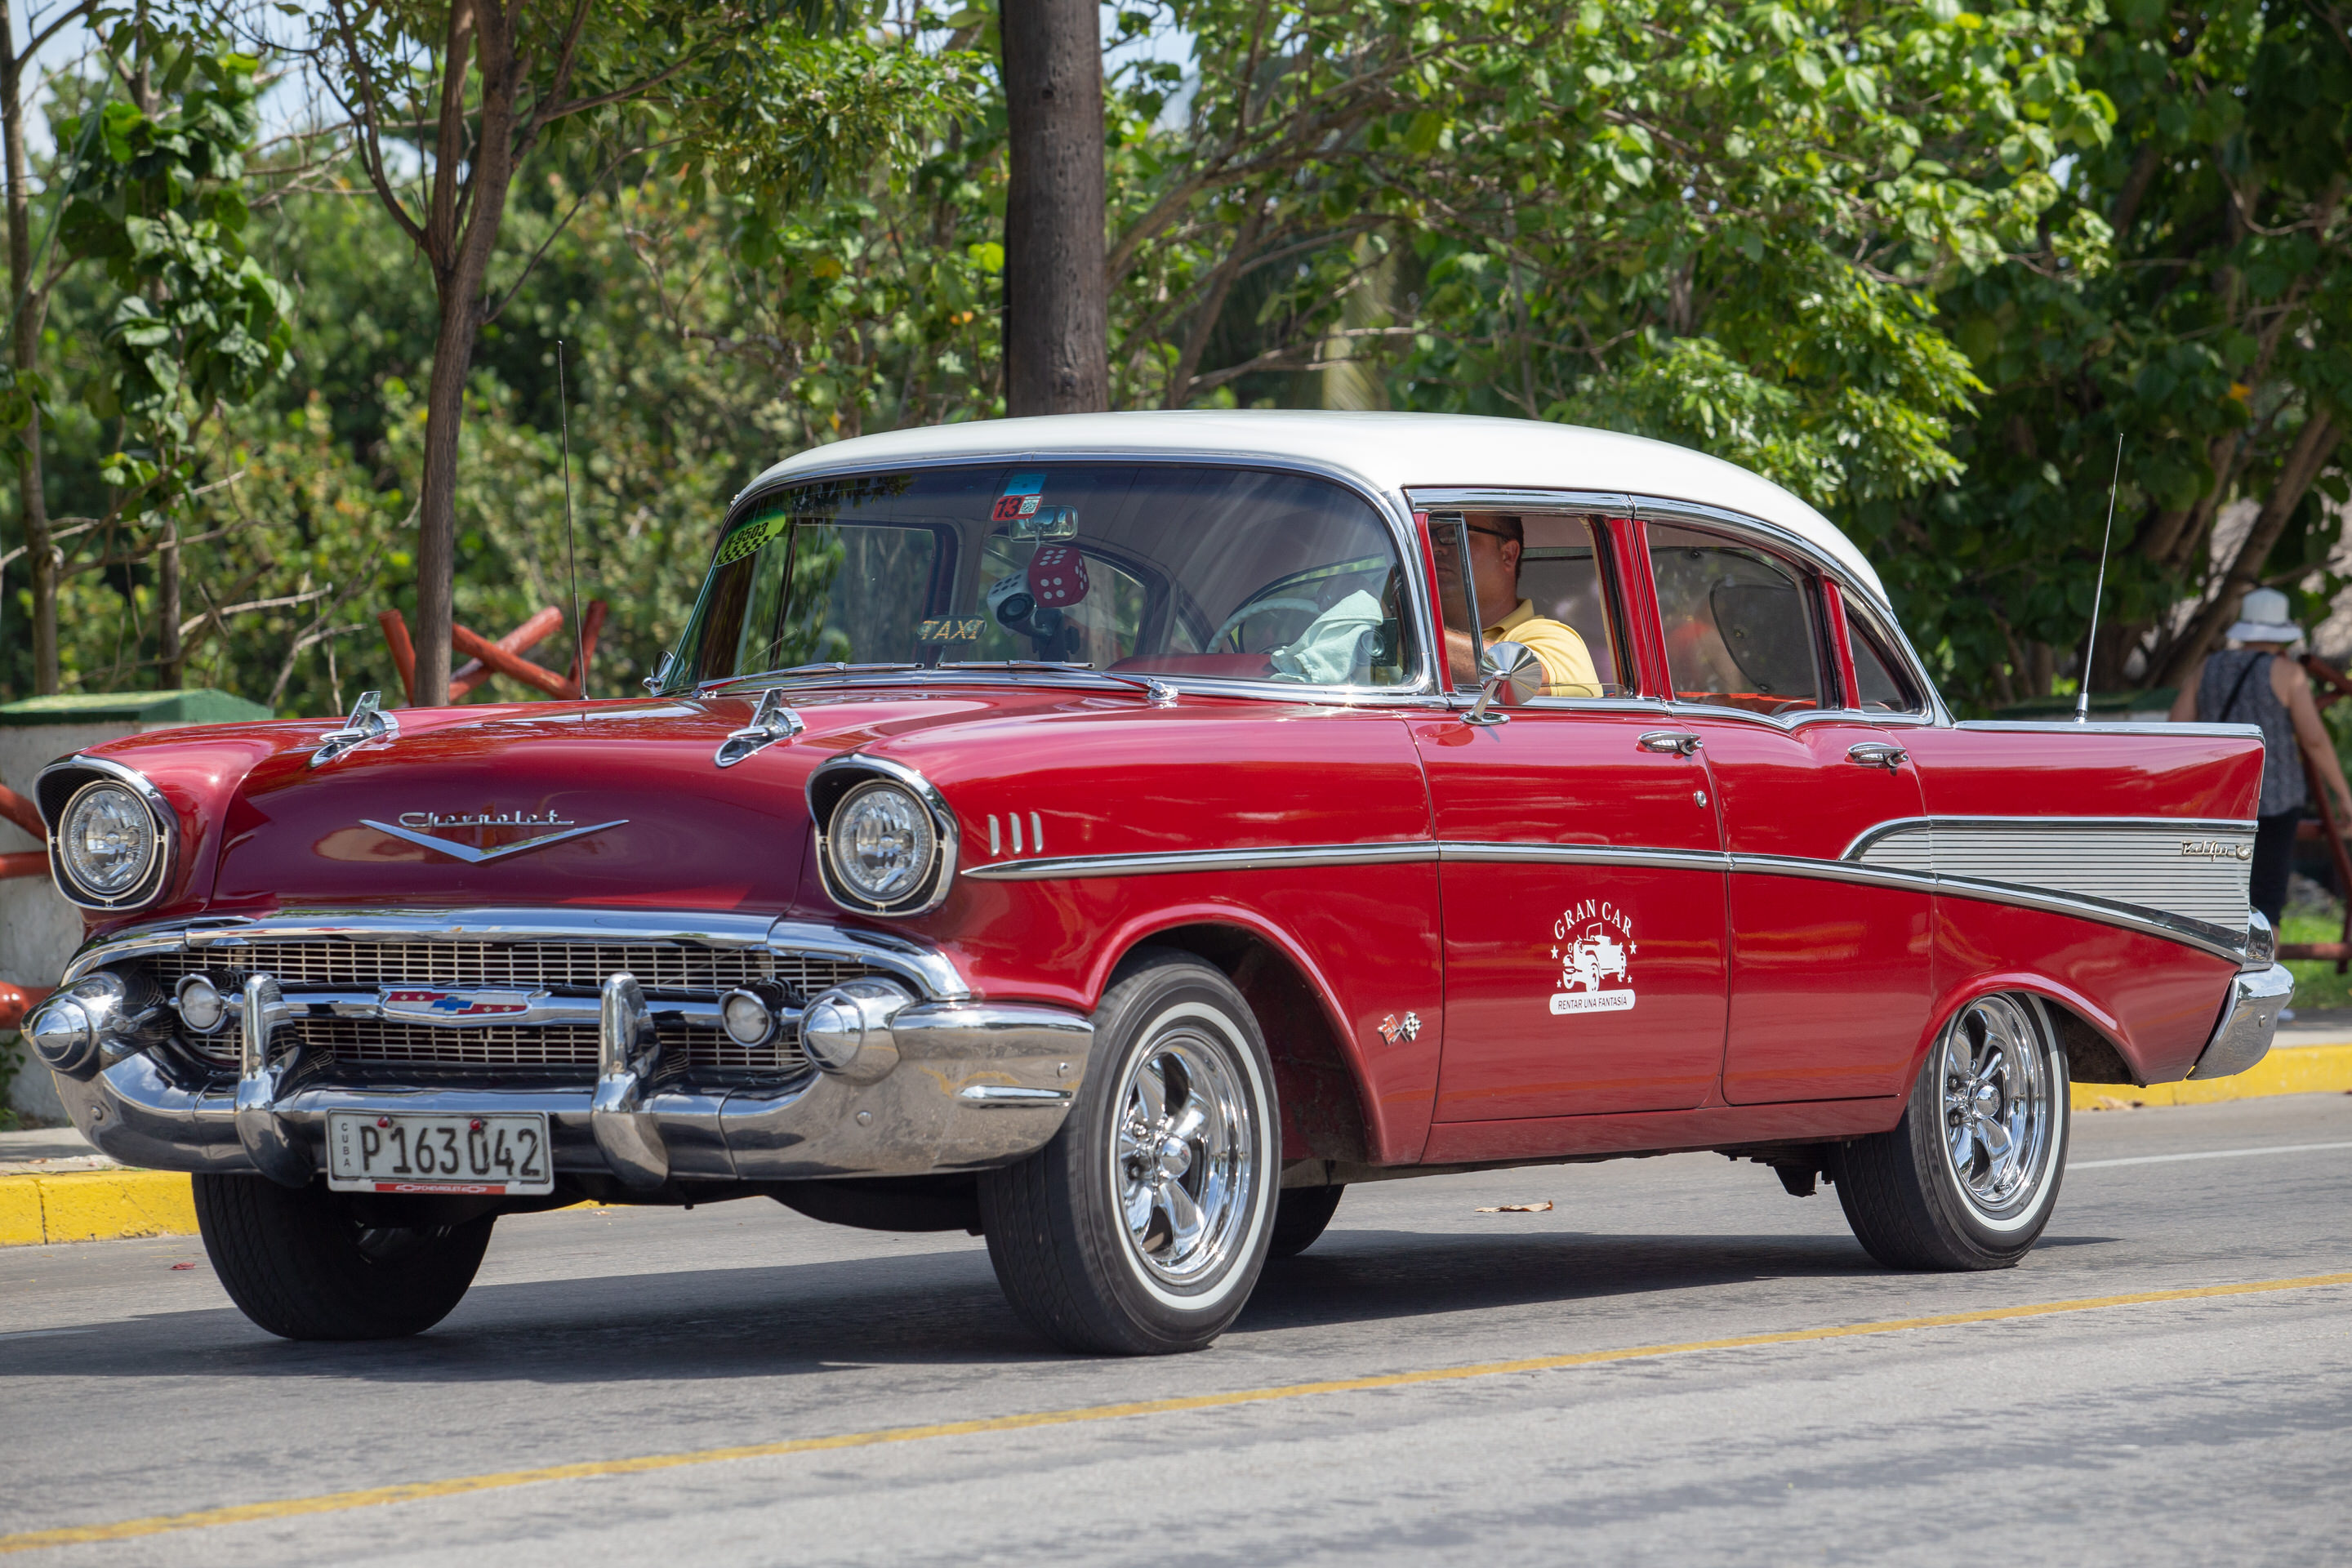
{"x":1514,"y":674}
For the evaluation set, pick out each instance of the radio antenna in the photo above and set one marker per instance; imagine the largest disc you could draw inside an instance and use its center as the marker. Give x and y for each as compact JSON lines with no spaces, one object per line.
{"x":570,"y":537}
{"x":2083,"y":692}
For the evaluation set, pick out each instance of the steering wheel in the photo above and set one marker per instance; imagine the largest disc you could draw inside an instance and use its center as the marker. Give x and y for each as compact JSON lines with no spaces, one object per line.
{"x":1260,"y":606}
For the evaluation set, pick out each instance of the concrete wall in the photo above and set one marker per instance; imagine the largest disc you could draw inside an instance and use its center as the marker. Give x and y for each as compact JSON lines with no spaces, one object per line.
{"x":38,"y":929}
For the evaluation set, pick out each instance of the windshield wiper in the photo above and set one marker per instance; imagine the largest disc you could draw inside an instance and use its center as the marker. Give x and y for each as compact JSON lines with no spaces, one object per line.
{"x":1159,"y":691}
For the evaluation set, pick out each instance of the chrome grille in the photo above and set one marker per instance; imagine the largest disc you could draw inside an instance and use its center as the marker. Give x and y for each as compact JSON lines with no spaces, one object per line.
{"x":661,"y":968}
{"x":514,"y":965}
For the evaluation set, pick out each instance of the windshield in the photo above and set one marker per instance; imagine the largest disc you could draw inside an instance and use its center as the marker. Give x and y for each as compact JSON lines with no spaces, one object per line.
{"x":1170,"y":571}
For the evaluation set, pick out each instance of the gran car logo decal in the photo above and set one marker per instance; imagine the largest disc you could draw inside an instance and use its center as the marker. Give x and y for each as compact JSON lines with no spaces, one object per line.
{"x":430,"y":1005}
{"x":1393,"y":1029}
{"x":2216,"y":850}
{"x":418,"y":827}
{"x":1593,"y":942}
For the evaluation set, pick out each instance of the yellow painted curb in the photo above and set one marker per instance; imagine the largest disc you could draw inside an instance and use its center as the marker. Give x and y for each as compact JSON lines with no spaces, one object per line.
{"x":94,"y":1205}
{"x":2288,"y":1069}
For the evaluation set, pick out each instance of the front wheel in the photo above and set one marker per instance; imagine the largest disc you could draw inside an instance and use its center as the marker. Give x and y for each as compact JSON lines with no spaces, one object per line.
{"x":296,"y":1262}
{"x":1142,"y":1226}
{"x":1969,"y":1177}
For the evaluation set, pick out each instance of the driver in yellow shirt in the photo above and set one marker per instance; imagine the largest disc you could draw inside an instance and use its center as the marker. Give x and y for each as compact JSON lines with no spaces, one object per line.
{"x":1496,"y":542}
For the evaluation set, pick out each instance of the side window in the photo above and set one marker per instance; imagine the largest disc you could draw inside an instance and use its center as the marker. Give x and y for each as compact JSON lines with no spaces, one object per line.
{"x":1886,"y":684}
{"x":1537,"y":579}
{"x":1740,"y":624}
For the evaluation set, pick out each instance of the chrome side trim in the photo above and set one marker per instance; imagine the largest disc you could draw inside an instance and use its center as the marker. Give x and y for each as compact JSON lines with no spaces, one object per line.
{"x":1489,"y":852}
{"x":2205,"y":935}
{"x":1067,"y":867}
{"x":925,"y":966}
{"x":167,"y":829}
{"x":2108,"y":726}
{"x":2218,"y":940}
{"x":2190,"y":868}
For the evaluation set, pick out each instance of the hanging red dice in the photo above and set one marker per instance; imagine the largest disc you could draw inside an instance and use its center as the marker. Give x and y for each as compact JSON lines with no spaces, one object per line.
{"x":1057,"y":575}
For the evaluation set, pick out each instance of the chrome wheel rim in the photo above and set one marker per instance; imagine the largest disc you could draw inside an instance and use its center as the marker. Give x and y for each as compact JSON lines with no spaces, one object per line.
{"x":2000,"y":1105}
{"x":1181,"y":1159}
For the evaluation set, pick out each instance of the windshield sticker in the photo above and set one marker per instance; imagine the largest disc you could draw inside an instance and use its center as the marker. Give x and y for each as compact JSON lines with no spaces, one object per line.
{"x":1593,"y":941}
{"x":1057,"y":575}
{"x":1022,"y":492}
{"x":752,"y":537}
{"x":950,"y":629}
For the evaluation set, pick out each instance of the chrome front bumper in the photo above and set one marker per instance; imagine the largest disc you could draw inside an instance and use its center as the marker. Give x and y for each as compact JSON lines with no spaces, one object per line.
{"x":2243,"y":1037}
{"x":975,"y":1084}
{"x":908,"y":1074}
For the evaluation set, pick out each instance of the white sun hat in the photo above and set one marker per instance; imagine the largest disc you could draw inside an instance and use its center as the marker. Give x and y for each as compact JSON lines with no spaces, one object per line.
{"x":2263,"y":619}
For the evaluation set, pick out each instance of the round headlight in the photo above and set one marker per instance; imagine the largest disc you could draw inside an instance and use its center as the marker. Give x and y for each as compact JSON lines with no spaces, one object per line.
{"x":107,"y":840}
{"x":881,"y":843}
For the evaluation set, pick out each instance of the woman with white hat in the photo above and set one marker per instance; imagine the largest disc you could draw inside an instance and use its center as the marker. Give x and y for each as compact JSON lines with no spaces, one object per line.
{"x":2256,"y":683}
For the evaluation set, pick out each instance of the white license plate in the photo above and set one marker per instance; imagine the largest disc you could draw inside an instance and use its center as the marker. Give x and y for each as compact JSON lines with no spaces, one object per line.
{"x":391,"y":1152}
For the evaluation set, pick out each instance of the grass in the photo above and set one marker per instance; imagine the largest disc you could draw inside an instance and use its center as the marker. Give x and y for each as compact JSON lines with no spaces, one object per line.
{"x":2316,"y":983}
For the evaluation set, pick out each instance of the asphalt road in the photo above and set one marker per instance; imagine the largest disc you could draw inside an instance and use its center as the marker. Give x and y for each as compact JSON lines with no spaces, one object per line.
{"x":2214,"y":1428}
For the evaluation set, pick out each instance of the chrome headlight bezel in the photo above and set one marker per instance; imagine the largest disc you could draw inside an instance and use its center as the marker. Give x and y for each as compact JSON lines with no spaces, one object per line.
{"x":77,"y":781}
{"x":832,"y":786}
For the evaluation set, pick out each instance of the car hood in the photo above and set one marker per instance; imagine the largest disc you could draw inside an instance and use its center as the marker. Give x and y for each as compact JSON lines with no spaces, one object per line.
{"x":616,"y":803}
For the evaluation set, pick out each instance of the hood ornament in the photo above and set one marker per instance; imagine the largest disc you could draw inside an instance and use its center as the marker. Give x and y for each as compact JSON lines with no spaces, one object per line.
{"x":415,"y":828}
{"x":772,"y":721}
{"x":367,"y":723}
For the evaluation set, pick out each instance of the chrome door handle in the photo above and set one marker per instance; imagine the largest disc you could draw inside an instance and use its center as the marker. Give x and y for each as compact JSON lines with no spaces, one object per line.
{"x":1877,"y":754}
{"x":1675,"y":743}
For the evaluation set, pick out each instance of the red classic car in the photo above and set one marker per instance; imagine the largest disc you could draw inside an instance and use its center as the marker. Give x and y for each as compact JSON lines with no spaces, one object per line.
{"x":1116,"y":836}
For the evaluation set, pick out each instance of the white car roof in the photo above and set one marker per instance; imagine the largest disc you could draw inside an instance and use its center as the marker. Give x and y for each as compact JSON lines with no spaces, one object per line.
{"x":1384,"y":452}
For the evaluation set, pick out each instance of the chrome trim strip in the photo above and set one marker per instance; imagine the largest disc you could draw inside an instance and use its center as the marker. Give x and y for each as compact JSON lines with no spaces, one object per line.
{"x":1491,"y":852}
{"x":1069,"y":867}
{"x":926,"y":966}
{"x":1488,"y":497}
{"x":2188,"y":868}
{"x":2107,"y":727}
{"x":2218,"y":940}
{"x":1835,"y":871}
{"x":167,"y":827}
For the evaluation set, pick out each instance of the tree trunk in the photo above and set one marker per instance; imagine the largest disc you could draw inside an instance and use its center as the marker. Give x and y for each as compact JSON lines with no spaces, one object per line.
{"x":167,"y":609}
{"x":2314,"y":446}
{"x":460,"y":284}
{"x":1057,"y":304}
{"x":23,"y":356}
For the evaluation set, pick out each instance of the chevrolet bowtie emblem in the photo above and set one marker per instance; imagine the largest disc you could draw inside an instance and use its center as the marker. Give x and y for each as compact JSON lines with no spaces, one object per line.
{"x":412,"y":825}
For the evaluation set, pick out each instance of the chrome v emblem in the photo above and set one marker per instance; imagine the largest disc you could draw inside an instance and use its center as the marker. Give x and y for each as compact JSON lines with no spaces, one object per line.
{"x":473,"y":857}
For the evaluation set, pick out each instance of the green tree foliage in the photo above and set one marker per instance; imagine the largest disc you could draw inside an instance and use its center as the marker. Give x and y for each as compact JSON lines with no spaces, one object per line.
{"x":1721,"y":225}
{"x":2214,"y":347}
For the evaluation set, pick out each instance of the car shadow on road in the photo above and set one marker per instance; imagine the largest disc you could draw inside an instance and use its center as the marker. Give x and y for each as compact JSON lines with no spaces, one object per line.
{"x":934,"y":1307}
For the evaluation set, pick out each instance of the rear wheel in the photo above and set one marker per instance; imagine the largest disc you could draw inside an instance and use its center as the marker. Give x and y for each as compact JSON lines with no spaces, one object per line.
{"x":296,"y":1262}
{"x":1969,"y":1177}
{"x":1300,"y":1219}
{"x":1142,"y":1227}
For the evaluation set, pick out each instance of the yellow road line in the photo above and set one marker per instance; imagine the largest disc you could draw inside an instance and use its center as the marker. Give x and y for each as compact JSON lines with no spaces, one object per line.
{"x":458,"y":1486}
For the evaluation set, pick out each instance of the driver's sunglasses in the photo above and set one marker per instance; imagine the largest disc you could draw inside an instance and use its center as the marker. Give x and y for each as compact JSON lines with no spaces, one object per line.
{"x":1492,"y":532}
